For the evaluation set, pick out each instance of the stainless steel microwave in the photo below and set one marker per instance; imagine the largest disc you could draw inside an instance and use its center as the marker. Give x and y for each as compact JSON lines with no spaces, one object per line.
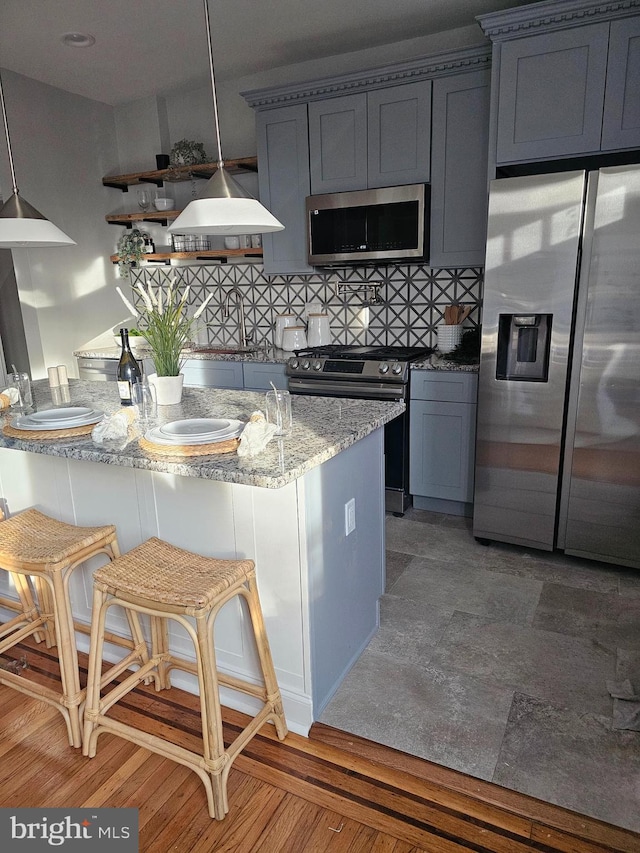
{"x":368,"y":226}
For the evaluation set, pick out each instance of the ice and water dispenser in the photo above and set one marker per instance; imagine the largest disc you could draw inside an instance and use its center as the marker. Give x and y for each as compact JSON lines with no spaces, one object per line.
{"x":523,"y":347}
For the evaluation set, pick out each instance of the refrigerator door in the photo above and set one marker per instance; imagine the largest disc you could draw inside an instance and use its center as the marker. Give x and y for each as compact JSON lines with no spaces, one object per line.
{"x":530,"y":278}
{"x":600,"y":503}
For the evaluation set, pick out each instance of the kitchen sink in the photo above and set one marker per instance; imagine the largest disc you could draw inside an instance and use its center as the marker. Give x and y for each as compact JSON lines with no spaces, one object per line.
{"x":226,"y":350}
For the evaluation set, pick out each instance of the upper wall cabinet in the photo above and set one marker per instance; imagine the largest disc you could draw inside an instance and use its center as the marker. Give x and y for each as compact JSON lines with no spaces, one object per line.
{"x":460,"y":144}
{"x":373,"y":139}
{"x":283,"y":148}
{"x":567,"y":78}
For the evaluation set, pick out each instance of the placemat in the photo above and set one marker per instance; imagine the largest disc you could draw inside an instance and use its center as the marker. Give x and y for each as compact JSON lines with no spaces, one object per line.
{"x":5,"y":402}
{"x":190,"y":449}
{"x":46,"y":434}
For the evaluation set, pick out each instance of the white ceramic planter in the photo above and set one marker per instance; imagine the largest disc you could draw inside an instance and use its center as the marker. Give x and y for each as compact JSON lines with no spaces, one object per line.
{"x":168,"y":388}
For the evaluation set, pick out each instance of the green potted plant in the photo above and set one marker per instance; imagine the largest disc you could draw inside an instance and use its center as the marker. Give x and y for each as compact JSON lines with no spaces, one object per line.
{"x":130,"y":250}
{"x":165,"y":324}
{"x":187,"y":153}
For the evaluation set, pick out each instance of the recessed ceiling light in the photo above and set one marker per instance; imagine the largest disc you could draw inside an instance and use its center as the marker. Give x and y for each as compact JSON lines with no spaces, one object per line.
{"x":78,"y":39}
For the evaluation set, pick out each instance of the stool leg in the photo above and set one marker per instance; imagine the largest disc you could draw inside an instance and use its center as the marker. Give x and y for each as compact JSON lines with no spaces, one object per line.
{"x":29,"y":608}
{"x":216,"y":759}
{"x":67,"y":656}
{"x":274,"y":697}
{"x":96,"y":644}
{"x":160,"y":647}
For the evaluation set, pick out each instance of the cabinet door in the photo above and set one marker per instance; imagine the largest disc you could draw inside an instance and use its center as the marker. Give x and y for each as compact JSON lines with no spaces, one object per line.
{"x":552,"y":94}
{"x":459,"y":192}
{"x":338,"y":144}
{"x":283,"y":173}
{"x":399,"y":134}
{"x":258,"y":376}
{"x":442,"y":450}
{"x":212,"y":374}
{"x":621,"y":125}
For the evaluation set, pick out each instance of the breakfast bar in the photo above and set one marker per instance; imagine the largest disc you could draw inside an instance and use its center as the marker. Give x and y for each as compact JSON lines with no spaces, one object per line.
{"x":284,"y":508}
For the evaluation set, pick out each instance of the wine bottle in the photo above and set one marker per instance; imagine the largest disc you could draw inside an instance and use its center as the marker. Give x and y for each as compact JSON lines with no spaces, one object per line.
{"x":128,"y":370}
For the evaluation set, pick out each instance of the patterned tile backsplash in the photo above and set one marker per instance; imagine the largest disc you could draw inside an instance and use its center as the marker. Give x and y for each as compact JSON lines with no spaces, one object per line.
{"x":410,"y":303}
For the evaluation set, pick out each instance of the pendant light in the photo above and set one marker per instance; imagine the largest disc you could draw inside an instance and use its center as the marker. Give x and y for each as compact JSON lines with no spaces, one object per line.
{"x":21,"y":225}
{"x":223,"y":206}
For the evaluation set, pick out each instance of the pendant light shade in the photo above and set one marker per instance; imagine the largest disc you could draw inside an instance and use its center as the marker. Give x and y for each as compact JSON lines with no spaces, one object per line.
{"x":21,"y":225}
{"x":223,"y":206}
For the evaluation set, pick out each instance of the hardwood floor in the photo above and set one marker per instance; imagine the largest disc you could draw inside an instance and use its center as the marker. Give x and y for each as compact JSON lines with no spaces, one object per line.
{"x":330,"y":792}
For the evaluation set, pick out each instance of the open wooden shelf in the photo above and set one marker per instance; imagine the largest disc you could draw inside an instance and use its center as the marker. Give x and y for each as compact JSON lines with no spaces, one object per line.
{"x":161,"y":217}
{"x":211,"y":254}
{"x":178,"y":173}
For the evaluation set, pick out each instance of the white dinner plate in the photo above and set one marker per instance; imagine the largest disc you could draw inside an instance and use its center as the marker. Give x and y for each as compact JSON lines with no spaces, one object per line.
{"x":195,"y":427}
{"x":156,"y":436}
{"x":69,"y":413}
{"x":25,"y":422}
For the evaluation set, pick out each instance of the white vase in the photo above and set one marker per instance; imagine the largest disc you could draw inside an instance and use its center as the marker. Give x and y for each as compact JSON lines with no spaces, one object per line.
{"x":168,"y":388}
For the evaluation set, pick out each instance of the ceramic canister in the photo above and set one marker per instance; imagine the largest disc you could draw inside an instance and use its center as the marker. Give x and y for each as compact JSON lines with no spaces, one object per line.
{"x":282,"y":321}
{"x":318,"y":330}
{"x":293,"y":338}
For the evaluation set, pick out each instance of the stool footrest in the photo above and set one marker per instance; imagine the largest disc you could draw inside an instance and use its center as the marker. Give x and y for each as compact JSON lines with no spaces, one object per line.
{"x":18,"y":634}
{"x":126,"y":686}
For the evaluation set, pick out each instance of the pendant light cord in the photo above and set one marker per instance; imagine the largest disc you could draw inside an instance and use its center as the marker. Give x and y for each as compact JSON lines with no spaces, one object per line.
{"x":213,"y":84}
{"x":6,"y":131}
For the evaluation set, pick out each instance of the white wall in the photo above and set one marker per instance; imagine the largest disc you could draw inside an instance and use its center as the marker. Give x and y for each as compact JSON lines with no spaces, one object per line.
{"x":62,"y":145}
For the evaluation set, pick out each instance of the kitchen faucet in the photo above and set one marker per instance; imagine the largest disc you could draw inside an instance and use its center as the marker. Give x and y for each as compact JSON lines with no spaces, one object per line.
{"x":226,"y":308}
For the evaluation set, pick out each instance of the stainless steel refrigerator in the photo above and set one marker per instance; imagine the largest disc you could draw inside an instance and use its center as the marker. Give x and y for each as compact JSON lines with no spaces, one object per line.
{"x":558,"y":434}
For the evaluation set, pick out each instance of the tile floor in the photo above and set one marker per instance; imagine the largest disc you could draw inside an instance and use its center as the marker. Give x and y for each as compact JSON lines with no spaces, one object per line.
{"x":495,"y":660}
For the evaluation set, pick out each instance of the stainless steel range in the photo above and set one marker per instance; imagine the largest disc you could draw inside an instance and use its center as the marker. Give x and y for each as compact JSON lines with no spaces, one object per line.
{"x":373,"y":373}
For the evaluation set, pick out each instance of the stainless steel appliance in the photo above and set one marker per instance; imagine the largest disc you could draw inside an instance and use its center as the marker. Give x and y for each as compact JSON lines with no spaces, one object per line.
{"x":368,"y":226}
{"x":558,"y":436}
{"x":373,"y":373}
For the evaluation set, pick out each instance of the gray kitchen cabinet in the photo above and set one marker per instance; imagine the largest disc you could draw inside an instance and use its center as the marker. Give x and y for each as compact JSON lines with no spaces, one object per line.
{"x":621,"y":125}
{"x":460,"y":143}
{"x":442,"y":439}
{"x":566,"y":79}
{"x":375,"y":139}
{"x":283,"y":174}
{"x":258,"y":376}
{"x":213,"y":374}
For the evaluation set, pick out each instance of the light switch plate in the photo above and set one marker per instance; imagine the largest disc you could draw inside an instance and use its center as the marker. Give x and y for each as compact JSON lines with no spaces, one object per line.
{"x":350,"y":516}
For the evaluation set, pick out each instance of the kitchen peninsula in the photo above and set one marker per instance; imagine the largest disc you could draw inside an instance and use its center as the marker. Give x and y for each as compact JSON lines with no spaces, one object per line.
{"x":284,"y":508}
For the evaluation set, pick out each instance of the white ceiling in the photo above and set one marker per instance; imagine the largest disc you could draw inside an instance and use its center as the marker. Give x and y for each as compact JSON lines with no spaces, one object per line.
{"x":148,"y":46}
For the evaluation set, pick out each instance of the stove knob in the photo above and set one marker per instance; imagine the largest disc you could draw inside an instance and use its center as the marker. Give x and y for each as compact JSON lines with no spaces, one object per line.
{"x":383,"y":367}
{"x":306,"y":364}
{"x":317,"y":365}
{"x":293,"y":363}
{"x":396,"y":369}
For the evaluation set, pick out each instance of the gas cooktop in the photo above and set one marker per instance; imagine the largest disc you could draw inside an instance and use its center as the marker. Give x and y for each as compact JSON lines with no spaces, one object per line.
{"x":364,"y":353}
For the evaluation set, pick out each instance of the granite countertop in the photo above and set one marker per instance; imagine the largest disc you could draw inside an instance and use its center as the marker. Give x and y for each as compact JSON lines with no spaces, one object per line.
{"x":264,"y":354}
{"x":322,"y":428}
{"x":438,"y":362}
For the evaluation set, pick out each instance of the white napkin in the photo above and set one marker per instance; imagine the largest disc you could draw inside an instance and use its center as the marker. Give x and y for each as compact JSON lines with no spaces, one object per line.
{"x":256,"y":435}
{"x":114,"y":426}
{"x":11,"y":398}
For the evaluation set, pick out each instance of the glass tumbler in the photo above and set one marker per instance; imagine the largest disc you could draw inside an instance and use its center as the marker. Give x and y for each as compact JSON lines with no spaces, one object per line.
{"x":143,"y":397}
{"x":22,"y":384}
{"x":279,"y":411}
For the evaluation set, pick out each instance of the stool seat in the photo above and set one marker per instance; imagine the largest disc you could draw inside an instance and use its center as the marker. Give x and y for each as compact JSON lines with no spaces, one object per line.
{"x":34,"y":538}
{"x":164,"y":583}
{"x":40,"y":553}
{"x":160,"y":572}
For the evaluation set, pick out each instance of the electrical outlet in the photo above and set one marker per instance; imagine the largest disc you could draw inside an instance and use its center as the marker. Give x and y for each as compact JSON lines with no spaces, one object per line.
{"x":350,"y":516}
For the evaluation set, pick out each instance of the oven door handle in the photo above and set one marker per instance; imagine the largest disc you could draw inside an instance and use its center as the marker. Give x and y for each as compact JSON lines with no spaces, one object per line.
{"x":326,"y":388}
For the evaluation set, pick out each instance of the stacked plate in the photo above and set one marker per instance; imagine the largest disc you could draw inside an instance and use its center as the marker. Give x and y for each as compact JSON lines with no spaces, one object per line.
{"x":195,"y":431}
{"x":51,"y":419}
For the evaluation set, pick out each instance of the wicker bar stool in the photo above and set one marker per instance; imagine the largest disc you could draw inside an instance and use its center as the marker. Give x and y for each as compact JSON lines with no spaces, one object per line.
{"x":166,"y":582}
{"x":37,"y":548}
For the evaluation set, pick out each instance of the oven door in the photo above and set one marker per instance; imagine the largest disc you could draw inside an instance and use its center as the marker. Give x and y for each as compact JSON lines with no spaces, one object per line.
{"x":396,"y":432}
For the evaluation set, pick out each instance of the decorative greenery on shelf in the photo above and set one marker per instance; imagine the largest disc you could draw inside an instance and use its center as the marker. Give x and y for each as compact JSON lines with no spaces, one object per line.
{"x":187,"y":153}
{"x":130,"y":250}
{"x":164,"y":323}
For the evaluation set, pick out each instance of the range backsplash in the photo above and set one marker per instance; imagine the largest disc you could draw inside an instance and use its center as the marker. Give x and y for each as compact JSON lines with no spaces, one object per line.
{"x":412,"y":300}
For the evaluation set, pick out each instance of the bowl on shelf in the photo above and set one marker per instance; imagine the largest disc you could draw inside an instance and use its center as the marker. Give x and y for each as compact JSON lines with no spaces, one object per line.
{"x":135,"y":341}
{"x":163,"y":203}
